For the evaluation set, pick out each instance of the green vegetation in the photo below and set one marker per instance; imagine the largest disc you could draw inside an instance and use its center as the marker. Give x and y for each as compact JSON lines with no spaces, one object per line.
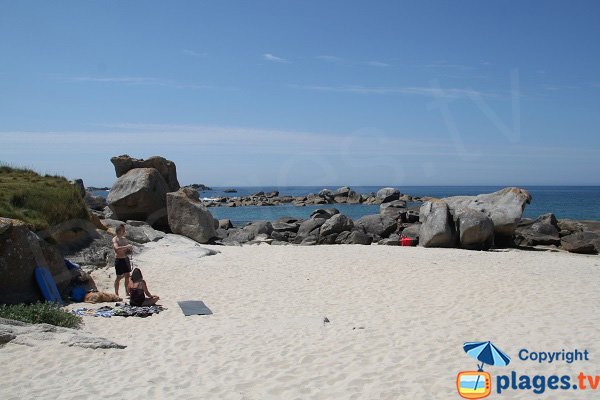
{"x":41,"y":201}
{"x":37,"y":313}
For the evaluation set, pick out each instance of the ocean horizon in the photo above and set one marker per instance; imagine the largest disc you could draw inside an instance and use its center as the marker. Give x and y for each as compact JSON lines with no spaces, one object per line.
{"x":573,"y":202}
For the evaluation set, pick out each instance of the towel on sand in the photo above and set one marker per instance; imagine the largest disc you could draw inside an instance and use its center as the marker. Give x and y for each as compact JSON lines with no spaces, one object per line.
{"x":194,"y":307}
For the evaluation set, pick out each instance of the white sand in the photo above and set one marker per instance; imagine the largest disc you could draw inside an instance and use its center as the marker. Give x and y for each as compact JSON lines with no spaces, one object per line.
{"x":267,"y":338}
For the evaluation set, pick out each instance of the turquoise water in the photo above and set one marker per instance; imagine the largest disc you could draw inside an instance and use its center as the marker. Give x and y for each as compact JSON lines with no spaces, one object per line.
{"x":576,"y":202}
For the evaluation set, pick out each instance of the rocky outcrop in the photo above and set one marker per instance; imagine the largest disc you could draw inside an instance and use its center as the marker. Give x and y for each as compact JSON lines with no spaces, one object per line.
{"x":377,"y":226}
{"x":504,"y":207}
{"x":475,"y":229}
{"x":21,"y":251}
{"x":336,"y":224}
{"x":542,"y":231}
{"x":581,"y":242}
{"x":388,"y":194}
{"x":31,"y":335}
{"x":140,"y":194}
{"x":187,"y":216}
{"x":437,"y":229}
{"x":394,"y":209}
{"x":165,"y":168}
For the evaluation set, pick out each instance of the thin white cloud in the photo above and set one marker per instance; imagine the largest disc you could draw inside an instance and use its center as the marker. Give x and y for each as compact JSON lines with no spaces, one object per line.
{"x":114,"y":79}
{"x":377,"y":64}
{"x":232,"y":140}
{"x":382,"y":90}
{"x":245,"y":140}
{"x":193,"y":53}
{"x":329,"y":58}
{"x":271,"y":57}
{"x":147,"y":81}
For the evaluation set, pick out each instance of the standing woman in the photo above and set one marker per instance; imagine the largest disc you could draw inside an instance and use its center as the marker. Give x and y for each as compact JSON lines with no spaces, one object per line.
{"x":122,"y":265}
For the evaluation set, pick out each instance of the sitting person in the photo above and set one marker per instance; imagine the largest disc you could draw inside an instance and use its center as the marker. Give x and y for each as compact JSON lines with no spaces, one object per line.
{"x":138,"y":290}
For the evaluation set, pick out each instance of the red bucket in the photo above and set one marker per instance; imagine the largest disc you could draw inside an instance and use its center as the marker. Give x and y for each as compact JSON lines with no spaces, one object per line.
{"x":406,"y":241}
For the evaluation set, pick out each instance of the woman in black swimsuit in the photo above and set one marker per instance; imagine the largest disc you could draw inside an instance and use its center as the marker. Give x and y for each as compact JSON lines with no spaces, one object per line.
{"x":138,"y":290}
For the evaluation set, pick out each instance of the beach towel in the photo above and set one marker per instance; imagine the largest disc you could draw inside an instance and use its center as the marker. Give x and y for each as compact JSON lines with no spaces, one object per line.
{"x":120,"y":310}
{"x":194,"y":307}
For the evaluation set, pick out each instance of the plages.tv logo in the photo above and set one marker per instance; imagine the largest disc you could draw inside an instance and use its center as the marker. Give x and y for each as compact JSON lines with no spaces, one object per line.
{"x":478,"y":384}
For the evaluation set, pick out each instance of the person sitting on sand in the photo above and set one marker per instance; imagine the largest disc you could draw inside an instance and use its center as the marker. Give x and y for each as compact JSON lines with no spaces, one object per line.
{"x":122,"y":265}
{"x":138,"y":290}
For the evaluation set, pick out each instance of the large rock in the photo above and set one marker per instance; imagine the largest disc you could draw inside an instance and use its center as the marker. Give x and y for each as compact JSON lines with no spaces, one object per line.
{"x":378,"y":226}
{"x":97,"y":253}
{"x":285,"y":226}
{"x":188,"y":217}
{"x":310,"y":227}
{"x":78,"y":183}
{"x":21,"y":251}
{"x":582,"y":242}
{"x":324,"y":213}
{"x":259,"y":227}
{"x":388,"y":194}
{"x":395,"y":209}
{"x":475,"y":229}
{"x":166,"y":168}
{"x":542,"y":231}
{"x":504,"y":207}
{"x":437,"y":229}
{"x":356,"y":237}
{"x":140,"y":195}
{"x":353,"y":198}
{"x":336,"y":224}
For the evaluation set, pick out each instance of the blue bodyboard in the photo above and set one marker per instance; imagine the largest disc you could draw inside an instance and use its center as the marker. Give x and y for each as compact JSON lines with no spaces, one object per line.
{"x":47,"y":285}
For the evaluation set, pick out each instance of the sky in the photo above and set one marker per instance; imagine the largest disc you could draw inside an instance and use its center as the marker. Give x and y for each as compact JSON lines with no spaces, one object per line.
{"x":241,"y":93}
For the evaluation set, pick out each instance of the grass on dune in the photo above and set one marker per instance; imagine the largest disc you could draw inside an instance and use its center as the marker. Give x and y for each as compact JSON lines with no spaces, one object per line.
{"x":41,"y":201}
{"x":37,"y":313}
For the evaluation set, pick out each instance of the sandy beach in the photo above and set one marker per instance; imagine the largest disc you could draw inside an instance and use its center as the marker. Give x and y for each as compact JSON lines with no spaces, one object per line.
{"x":398,"y":319}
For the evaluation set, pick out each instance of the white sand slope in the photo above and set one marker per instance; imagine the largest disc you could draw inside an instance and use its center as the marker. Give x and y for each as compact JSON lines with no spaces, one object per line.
{"x":398,"y":319}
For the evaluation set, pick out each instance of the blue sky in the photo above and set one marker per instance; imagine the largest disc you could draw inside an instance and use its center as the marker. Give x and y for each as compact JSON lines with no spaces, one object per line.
{"x":305,"y":92}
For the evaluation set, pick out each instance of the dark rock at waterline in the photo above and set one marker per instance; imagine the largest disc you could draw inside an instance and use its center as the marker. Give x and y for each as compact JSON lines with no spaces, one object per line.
{"x":542,"y":231}
{"x":385,"y":195}
{"x":581,"y":242}
{"x":285,"y":227}
{"x":324,"y":213}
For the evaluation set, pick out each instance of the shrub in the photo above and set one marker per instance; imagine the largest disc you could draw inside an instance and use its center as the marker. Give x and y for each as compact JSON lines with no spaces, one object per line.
{"x":37,"y":313}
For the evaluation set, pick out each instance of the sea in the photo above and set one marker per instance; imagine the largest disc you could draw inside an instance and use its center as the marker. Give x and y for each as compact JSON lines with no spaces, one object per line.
{"x":575,"y":202}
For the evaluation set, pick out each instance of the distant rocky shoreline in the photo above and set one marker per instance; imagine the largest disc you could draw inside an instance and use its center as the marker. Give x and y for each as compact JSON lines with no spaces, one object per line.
{"x":148,"y":190}
{"x":342,"y":195}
